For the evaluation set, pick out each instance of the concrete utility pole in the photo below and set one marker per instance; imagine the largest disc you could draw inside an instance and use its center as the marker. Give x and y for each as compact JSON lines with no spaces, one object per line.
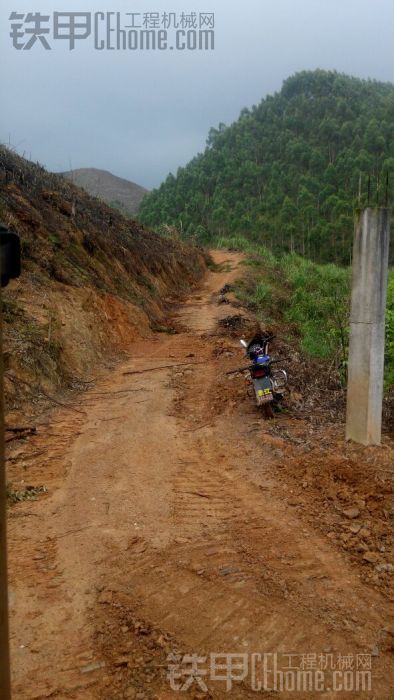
{"x":367,"y":327}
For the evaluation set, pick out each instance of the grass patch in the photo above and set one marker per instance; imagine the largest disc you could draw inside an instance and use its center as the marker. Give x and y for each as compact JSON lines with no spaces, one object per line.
{"x":164,"y":329}
{"x":30,"y":493}
{"x":311,"y":301}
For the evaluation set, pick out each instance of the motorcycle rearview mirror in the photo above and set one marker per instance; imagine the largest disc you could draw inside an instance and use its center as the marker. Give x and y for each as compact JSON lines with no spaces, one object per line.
{"x":10,"y":255}
{"x":243,"y":343}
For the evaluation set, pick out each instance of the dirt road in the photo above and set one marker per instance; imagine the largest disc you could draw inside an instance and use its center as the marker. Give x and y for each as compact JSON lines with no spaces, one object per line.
{"x":168,"y":527}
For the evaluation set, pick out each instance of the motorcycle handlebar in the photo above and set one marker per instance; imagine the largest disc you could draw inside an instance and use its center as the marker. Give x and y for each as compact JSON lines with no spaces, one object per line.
{"x":243,"y":369}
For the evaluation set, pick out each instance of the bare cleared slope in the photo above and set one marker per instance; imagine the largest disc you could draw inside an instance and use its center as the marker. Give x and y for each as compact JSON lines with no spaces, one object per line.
{"x":92,"y":282}
{"x":112,"y":189}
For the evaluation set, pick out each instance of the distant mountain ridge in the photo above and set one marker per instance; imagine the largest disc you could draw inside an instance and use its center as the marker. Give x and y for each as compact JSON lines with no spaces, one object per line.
{"x":116,"y":191}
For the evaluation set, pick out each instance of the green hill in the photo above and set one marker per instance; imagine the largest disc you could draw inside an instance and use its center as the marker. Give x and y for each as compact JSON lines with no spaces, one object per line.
{"x":289,"y":172}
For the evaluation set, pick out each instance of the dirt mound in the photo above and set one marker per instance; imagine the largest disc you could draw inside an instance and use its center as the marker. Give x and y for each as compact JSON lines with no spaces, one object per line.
{"x":348,"y":489}
{"x":92,"y":281}
{"x":235,"y":326}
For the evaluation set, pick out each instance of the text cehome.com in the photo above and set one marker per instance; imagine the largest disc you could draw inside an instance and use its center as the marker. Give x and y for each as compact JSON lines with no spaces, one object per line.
{"x":114,"y":31}
{"x":162,"y":40}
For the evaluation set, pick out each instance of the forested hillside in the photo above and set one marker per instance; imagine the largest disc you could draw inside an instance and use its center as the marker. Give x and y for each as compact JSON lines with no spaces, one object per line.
{"x":290,"y":171}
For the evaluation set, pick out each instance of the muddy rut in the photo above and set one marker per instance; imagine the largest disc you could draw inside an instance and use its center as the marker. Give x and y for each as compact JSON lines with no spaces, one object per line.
{"x":167,"y":530}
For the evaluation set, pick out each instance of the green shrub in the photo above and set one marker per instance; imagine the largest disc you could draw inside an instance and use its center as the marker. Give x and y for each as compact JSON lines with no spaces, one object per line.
{"x":263,"y":293}
{"x":314,"y":299}
{"x":318,"y":304}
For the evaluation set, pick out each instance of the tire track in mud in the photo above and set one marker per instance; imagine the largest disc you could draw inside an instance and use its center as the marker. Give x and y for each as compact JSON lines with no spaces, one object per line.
{"x":235,"y":580}
{"x":176,"y":523}
{"x":241,"y":572}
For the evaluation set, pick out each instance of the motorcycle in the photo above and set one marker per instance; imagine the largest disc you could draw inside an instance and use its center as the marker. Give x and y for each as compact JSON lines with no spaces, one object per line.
{"x":268,"y":383}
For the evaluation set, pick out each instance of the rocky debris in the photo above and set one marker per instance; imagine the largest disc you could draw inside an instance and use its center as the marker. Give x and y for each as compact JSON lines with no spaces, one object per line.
{"x":134,"y":694}
{"x":94,"y":666}
{"x":224,"y":348}
{"x":136,"y":663}
{"x":122,"y":661}
{"x":235,"y":325}
{"x":137,"y":545}
{"x":385,"y":568}
{"x":226,"y":289}
{"x":105,"y":597}
{"x":130,"y":693}
{"x":349,"y":492}
{"x":227,"y":570}
{"x":294,"y":501}
{"x":351,"y":513}
{"x":371,"y":557}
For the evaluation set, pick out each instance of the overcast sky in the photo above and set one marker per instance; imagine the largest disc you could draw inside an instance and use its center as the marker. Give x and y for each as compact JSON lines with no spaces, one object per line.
{"x":141,"y":114}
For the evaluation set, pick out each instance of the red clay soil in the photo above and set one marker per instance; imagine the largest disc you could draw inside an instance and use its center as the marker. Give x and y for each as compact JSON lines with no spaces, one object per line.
{"x":177,"y":522}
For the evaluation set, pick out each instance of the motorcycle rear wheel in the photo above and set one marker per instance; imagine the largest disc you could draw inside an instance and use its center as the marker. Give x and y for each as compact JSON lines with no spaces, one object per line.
{"x":268,"y":411}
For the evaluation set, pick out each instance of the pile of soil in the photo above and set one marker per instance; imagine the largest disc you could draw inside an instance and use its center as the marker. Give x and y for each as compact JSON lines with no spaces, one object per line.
{"x":348,"y":491}
{"x":235,"y":326}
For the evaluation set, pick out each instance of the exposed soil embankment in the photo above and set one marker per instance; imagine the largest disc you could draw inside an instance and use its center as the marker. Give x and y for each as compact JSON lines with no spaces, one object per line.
{"x":92,"y":282}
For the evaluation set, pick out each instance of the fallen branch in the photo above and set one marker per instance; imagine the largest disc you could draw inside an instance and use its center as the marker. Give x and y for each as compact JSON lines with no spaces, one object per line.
{"x":198,"y":427}
{"x":16,"y":437}
{"x":21,"y":429}
{"x":198,"y":493}
{"x":19,"y":433}
{"x":112,"y":393}
{"x":180,"y":364}
{"x":42,"y":393}
{"x":73,"y":532}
